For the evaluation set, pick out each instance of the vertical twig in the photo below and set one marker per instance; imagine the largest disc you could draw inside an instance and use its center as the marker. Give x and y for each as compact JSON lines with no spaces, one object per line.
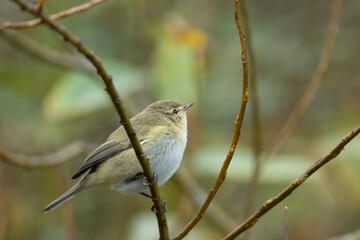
{"x":237,"y":131}
{"x":255,"y":116}
{"x":118,"y":104}
{"x":286,"y":225}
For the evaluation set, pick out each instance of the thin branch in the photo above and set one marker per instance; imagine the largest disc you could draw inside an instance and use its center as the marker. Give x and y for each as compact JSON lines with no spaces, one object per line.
{"x":118,"y":104}
{"x":48,"y":160}
{"x":255,"y":116}
{"x":45,"y":53}
{"x":313,"y":86}
{"x":40,"y":5}
{"x":269,"y":204}
{"x":237,"y":132}
{"x":53,"y":17}
{"x":286,"y":235}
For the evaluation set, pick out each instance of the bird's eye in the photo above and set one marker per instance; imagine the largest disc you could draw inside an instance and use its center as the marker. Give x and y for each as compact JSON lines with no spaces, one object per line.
{"x":175,"y":111}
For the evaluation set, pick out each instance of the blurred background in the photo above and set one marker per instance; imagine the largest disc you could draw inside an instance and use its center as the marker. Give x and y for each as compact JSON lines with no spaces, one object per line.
{"x":186,"y":51}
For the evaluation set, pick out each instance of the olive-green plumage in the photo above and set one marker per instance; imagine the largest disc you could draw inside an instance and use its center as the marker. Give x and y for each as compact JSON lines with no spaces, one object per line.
{"x":162,"y":131}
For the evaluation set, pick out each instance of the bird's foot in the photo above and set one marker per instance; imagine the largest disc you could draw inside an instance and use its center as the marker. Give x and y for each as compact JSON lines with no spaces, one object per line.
{"x":154,"y":210}
{"x":154,"y":180}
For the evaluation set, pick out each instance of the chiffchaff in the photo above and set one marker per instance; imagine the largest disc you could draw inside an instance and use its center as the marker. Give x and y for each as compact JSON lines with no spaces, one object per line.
{"x":162,"y":131}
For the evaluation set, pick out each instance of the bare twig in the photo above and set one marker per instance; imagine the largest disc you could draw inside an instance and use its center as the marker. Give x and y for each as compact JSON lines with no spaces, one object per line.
{"x":269,"y":204}
{"x":255,"y":116}
{"x":118,"y":104}
{"x":237,"y":132}
{"x":313,"y":86}
{"x":48,"y":160}
{"x":57,"y":16}
{"x":45,"y":53}
{"x":40,"y":5}
{"x":286,"y":237}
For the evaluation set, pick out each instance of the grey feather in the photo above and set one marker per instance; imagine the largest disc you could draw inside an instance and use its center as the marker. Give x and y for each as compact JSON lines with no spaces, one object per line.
{"x":63,"y":198}
{"x":105,"y":151}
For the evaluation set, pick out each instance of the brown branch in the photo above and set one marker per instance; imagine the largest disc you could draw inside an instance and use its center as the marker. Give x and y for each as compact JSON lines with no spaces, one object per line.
{"x":118,"y":104}
{"x":255,"y":117}
{"x":237,"y":132}
{"x":53,"y":17}
{"x":48,"y":160}
{"x":45,"y":53}
{"x":313,"y":86}
{"x":272,"y":202}
{"x":40,"y":5}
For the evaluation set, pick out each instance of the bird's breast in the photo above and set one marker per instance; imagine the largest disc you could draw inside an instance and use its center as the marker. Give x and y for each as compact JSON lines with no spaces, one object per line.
{"x":165,"y":152}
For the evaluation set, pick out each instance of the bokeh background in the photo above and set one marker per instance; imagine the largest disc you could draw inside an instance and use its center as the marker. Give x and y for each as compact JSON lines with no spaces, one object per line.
{"x":185,"y":51}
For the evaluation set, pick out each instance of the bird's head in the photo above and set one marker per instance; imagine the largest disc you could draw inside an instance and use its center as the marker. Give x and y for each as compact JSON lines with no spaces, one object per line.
{"x":168,"y":110}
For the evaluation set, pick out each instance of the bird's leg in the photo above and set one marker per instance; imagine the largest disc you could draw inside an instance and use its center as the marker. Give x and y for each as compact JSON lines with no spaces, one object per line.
{"x":154,"y":180}
{"x":153,"y":209}
{"x":146,"y":195}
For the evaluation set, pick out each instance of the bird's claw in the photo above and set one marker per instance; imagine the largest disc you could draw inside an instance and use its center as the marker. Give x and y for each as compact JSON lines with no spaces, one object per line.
{"x":154,"y":180}
{"x":154,"y":210}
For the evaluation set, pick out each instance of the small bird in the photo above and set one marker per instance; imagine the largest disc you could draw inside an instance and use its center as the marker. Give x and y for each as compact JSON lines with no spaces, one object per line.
{"x":162,"y":131}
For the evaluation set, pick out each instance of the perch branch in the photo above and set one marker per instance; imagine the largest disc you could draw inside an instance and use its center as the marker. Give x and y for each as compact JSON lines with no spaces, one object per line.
{"x":53,"y":17}
{"x":118,"y":104}
{"x":269,"y":204}
{"x":48,"y":160}
{"x":237,"y":132}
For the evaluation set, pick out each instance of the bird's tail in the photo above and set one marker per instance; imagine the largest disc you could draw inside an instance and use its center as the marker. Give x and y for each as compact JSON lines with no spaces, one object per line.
{"x":64,"y":197}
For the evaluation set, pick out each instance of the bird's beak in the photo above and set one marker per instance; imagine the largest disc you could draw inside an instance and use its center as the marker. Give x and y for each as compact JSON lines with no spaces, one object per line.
{"x":185,"y":107}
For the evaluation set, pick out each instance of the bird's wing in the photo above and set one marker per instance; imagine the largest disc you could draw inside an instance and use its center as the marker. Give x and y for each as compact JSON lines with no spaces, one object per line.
{"x":107,"y":150}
